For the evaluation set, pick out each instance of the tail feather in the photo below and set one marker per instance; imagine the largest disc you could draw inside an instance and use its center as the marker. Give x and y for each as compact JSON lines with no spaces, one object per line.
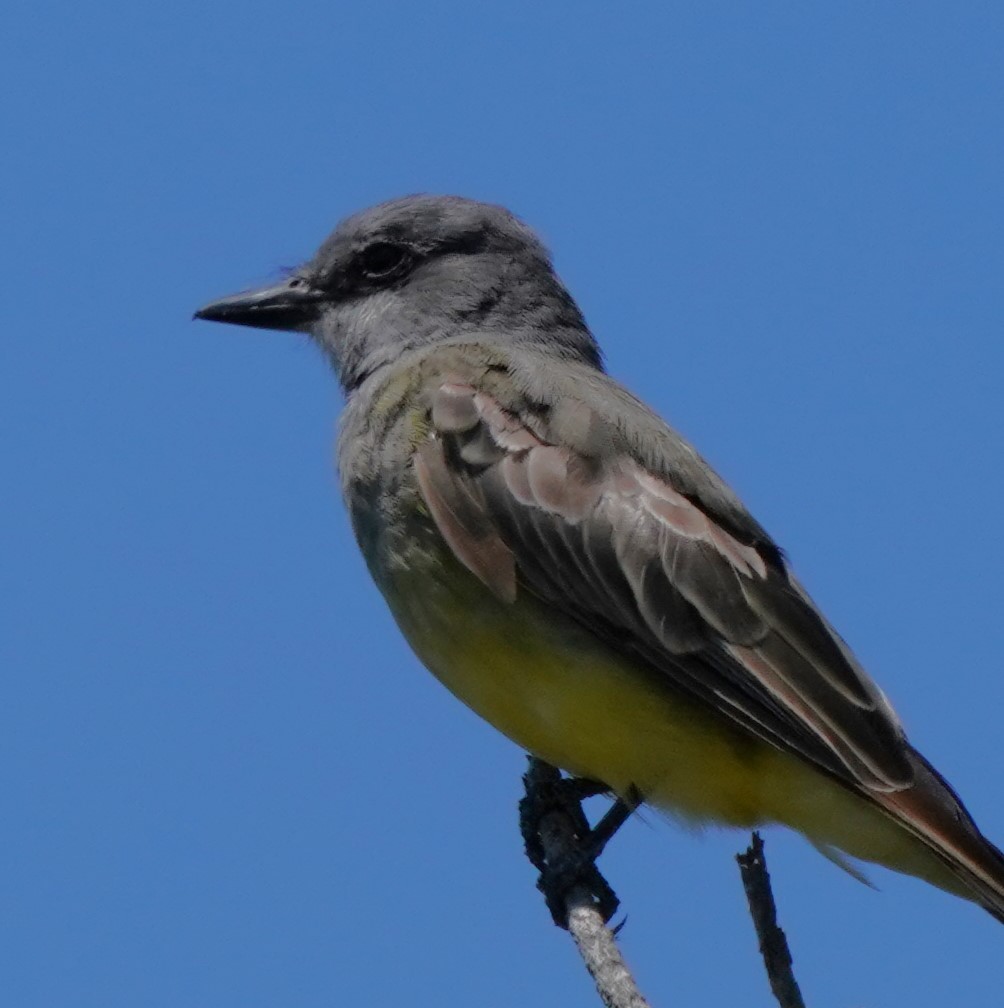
{"x":932,"y":811}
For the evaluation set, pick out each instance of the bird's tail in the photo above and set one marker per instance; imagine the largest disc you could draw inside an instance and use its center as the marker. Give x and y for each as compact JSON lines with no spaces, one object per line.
{"x":931,"y":810}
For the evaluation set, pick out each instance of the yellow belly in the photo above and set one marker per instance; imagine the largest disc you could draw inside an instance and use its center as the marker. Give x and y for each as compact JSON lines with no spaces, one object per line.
{"x":562,"y":694}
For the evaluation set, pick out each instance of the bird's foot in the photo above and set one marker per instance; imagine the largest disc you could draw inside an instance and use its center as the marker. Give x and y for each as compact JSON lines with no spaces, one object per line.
{"x":561,"y":844}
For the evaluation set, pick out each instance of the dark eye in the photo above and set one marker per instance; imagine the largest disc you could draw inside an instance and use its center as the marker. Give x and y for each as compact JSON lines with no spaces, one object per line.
{"x":382,"y":259}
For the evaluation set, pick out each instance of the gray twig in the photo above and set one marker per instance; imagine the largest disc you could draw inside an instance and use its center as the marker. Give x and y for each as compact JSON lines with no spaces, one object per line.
{"x":553,"y":830}
{"x":773,"y":943}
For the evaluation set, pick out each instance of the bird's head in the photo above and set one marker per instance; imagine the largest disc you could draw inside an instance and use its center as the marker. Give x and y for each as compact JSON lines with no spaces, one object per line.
{"x":415,"y":271}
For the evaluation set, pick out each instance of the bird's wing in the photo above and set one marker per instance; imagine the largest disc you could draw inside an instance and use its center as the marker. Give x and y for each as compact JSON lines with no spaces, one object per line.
{"x":652,"y":570}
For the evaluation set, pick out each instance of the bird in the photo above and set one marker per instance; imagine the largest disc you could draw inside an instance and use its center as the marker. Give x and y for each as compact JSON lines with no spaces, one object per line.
{"x":570,"y":567}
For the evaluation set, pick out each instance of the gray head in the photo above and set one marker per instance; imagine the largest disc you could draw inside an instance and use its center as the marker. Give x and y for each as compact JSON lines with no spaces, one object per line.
{"x":415,"y":271}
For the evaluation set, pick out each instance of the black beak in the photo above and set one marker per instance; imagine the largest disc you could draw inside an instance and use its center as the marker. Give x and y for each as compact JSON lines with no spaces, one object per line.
{"x":291,"y":305}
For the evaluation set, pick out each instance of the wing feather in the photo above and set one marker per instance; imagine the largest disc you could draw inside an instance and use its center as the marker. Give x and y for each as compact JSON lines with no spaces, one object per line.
{"x":655,"y":572}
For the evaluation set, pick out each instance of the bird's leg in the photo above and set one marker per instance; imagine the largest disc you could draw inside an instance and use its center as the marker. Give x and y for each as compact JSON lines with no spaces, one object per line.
{"x":559,"y":840}
{"x":611,"y":821}
{"x":581,"y":788}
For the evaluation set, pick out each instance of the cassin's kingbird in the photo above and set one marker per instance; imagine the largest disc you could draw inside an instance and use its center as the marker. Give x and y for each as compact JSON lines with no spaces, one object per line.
{"x":571,"y":569}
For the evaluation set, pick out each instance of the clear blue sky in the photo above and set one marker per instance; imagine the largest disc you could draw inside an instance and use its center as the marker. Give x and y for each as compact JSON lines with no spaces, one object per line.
{"x":225,"y":779}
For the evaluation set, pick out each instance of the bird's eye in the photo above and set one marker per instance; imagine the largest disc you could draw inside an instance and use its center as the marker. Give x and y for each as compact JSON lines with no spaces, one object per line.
{"x":382,"y":260}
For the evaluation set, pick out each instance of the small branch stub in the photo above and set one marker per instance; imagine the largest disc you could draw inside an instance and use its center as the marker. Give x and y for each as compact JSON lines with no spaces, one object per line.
{"x":763,"y":910}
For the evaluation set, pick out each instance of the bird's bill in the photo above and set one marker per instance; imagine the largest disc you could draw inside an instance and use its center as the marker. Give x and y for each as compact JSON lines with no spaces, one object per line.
{"x":290,"y":305}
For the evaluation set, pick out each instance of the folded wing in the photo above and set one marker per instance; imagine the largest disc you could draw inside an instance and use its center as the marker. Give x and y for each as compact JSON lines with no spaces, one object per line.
{"x":652,"y":571}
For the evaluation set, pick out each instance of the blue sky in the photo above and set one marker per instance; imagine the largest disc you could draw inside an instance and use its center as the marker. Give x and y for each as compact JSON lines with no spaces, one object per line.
{"x":225,"y":779}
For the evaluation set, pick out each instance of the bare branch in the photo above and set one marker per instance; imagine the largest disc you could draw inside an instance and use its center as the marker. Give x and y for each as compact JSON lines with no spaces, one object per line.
{"x":773,"y":943}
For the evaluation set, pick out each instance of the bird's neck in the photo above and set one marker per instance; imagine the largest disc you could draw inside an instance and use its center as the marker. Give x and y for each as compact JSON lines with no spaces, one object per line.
{"x":516,"y":306}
